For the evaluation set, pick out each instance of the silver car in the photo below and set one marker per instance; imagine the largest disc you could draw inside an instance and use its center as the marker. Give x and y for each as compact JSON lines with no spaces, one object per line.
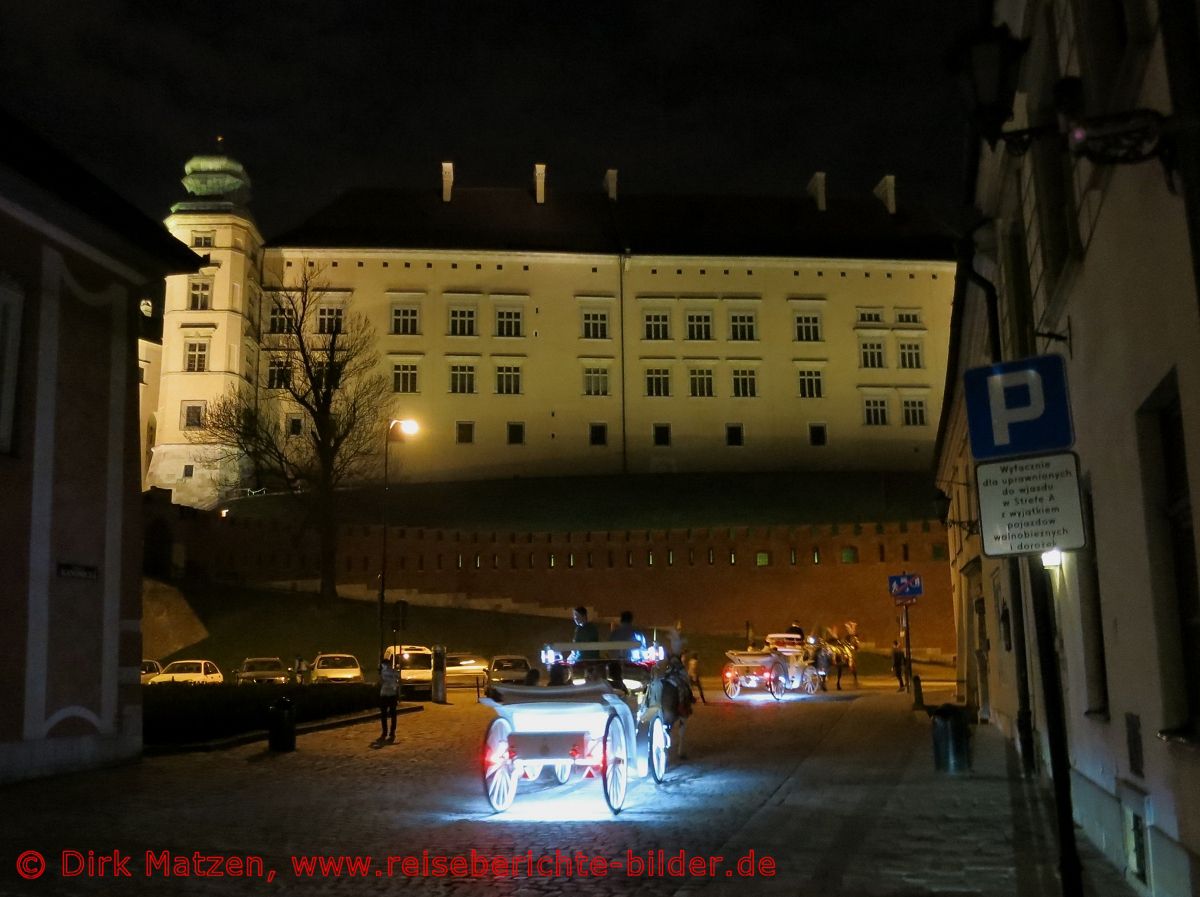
{"x":508,"y":669}
{"x":466,"y":669}
{"x":337,"y":668}
{"x":262,"y":671}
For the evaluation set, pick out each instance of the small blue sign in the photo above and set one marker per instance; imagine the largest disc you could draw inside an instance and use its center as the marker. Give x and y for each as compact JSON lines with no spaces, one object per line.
{"x":906,"y":585}
{"x":1018,"y":408}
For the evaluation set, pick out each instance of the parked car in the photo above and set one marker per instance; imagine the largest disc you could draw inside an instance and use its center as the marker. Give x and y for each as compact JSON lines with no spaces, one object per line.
{"x":150,"y":669}
{"x":194,"y":672}
{"x":336,"y":668}
{"x":262,"y":671}
{"x":466,"y":670}
{"x":508,"y":669}
{"x":415,"y":663}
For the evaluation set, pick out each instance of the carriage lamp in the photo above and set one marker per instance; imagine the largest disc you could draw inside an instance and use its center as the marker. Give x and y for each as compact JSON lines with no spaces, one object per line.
{"x":1052,"y":558}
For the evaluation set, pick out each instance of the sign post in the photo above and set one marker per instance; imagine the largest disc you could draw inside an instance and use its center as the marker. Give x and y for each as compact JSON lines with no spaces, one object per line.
{"x":905,"y":589}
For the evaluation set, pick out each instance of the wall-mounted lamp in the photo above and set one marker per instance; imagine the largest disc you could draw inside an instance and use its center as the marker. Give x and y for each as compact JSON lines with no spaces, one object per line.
{"x":1052,"y":558}
{"x":989,"y":62}
{"x":941,"y":503}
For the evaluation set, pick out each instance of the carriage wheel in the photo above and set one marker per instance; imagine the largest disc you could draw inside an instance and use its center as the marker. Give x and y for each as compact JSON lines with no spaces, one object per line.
{"x":562,"y":772}
{"x":615,"y":768}
{"x":658,"y":749}
{"x":499,"y":770}
{"x":532,"y":771}
{"x":731,"y":684}
{"x":812,"y":682}
{"x":778,"y":681}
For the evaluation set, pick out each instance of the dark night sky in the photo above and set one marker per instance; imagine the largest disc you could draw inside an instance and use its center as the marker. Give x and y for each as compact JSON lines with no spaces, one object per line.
{"x":315,"y":97}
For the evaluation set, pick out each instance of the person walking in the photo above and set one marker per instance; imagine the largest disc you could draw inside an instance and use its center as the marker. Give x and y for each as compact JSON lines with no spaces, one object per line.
{"x":389,"y":698}
{"x":693,"y":673}
{"x":898,"y":663}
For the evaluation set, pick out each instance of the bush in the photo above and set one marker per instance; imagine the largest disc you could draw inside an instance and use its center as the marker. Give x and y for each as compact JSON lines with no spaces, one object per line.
{"x":186,"y":714}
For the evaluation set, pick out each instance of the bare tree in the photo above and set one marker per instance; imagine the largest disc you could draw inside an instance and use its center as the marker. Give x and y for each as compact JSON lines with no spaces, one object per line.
{"x":313,"y":423}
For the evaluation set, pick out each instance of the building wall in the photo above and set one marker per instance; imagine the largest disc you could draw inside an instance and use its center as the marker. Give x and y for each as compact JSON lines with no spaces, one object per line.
{"x":149,"y":378}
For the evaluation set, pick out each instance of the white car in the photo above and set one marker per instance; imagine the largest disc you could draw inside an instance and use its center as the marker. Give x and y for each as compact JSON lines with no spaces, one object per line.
{"x":194,"y":672}
{"x":508,"y":669}
{"x":339,"y":668}
{"x":150,"y":669}
{"x":415,"y":663}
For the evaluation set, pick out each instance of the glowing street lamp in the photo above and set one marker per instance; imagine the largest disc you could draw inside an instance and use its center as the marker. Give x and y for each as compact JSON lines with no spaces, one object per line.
{"x":407,"y":427}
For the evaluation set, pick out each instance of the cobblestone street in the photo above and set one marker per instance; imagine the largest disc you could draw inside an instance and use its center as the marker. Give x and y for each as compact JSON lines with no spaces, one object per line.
{"x":838,"y":791}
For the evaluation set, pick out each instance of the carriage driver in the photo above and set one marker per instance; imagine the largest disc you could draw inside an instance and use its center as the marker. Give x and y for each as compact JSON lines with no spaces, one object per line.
{"x":624,"y":632}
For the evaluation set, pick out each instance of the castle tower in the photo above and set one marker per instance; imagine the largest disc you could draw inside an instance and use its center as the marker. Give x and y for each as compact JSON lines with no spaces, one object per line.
{"x":210,"y":328}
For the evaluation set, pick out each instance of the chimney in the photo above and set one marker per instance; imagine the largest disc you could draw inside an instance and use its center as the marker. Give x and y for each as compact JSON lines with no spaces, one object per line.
{"x":886,"y":191}
{"x":610,"y":184}
{"x":816,"y":189}
{"x":539,"y":182}
{"x":447,"y":180}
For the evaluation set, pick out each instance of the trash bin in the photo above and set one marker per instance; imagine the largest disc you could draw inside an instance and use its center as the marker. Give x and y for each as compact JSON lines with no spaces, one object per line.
{"x":951,"y":738}
{"x":281,"y":725}
{"x":437,"y":686}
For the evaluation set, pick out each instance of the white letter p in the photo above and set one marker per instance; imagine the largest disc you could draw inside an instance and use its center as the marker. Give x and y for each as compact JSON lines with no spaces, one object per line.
{"x":1002,"y":414}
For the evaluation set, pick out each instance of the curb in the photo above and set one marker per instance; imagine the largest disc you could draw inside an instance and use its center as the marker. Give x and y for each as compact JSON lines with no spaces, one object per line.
{"x":224,"y":744}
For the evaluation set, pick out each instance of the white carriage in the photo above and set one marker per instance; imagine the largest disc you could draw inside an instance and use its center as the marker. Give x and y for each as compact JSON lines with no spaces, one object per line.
{"x":610,"y":730}
{"x":787,"y":662}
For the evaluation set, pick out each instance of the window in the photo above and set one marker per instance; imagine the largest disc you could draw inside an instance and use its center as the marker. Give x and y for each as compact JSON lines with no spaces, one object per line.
{"x":199,"y":294}
{"x":699,"y":325}
{"x":279,"y":373}
{"x":870,"y":316}
{"x":875,"y":412}
{"x":910,"y":356}
{"x":595,"y":325}
{"x":817,"y":435}
{"x":741,"y":327}
{"x":662,"y":435}
{"x":908,"y":316}
{"x":188,"y":471}
{"x":849,"y":555}
{"x":293,"y":425}
{"x":700,"y":382}
{"x":508,"y":380}
{"x":462,"y":378}
{"x":464,"y":432}
{"x":195,"y":356}
{"x":658,"y":382}
{"x":406,"y":321}
{"x":508,"y":322}
{"x":762,"y":559}
{"x":404,"y":377}
{"x":734,"y":435}
{"x":329,"y":319}
{"x":808,"y":328}
{"x":940,"y":552}
{"x":745,"y":383}
{"x":202,"y":239}
{"x":914,"y":412}
{"x":595,"y":381}
{"x":597,"y":434}
{"x":281,"y":319}
{"x":462,"y":322}
{"x":11,"y":302}
{"x":192,"y":415}
{"x":516,"y":433}
{"x":657,"y":325}
{"x":811,"y":386}
{"x":870,"y":354}
{"x":326,"y":374}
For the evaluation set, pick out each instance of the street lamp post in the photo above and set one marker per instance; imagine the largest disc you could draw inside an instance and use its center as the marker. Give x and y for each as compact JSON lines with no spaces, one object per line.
{"x":407,"y":428}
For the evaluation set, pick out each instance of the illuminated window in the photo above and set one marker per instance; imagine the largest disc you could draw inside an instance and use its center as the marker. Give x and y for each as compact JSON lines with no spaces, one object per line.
{"x":404,"y":378}
{"x":762,"y":559}
{"x":199,"y":294}
{"x":808,"y":328}
{"x":700,"y":382}
{"x":657,"y":325}
{"x":508,"y":380}
{"x":595,"y":325}
{"x":811,"y":385}
{"x":508,"y":322}
{"x":406,"y":321}
{"x":849,"y":555}
{"x":742,"y":327}
{"x":699,"y":325}
{"x":195,"y":356}
{"x":595,"y":381}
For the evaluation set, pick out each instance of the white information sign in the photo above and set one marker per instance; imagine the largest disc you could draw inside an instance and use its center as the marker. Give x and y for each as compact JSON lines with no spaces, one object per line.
{"x":1030,"y":505}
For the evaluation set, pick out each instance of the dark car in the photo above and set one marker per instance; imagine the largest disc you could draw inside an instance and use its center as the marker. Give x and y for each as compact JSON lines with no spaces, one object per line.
{"x":262,"y":671}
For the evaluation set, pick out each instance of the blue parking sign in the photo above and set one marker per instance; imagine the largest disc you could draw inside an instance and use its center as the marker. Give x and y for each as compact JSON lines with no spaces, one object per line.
{"x":1018,"y":408}
{"x":906,"y":585}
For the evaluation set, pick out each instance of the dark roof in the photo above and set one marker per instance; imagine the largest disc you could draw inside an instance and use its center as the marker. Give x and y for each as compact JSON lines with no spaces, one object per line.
{"x":510,"y":219}
{"x":52,"y":172}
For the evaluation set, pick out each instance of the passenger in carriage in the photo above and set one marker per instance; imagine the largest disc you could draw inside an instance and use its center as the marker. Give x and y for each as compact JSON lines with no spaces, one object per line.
{"x":624,"y":632}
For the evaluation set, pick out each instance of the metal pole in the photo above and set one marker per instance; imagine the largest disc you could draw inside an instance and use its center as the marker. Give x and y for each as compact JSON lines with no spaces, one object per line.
{"x":387,"y":443}
{"x":907,"y":652}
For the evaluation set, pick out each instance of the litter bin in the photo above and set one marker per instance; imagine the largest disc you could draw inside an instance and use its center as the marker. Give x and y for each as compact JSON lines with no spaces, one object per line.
{"x":437,"y":687}
{"x":281,"y":725}
{"x":951,"y":738}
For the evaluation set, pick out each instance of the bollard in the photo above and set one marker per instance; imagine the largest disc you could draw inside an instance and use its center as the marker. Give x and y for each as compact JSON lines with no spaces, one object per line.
{"x":951,"y":738}
{"x":437,"y":686}
{"x":281,"y":725}
{"x":918,"y":697}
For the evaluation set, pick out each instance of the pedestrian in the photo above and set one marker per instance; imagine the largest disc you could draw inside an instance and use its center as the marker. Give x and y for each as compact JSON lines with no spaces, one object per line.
{"x":839,"y":661}
{"x":675,"y":639}
{"x":898,"y":663}
{"x":693,"y":672}
{"x":389,"y":697}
